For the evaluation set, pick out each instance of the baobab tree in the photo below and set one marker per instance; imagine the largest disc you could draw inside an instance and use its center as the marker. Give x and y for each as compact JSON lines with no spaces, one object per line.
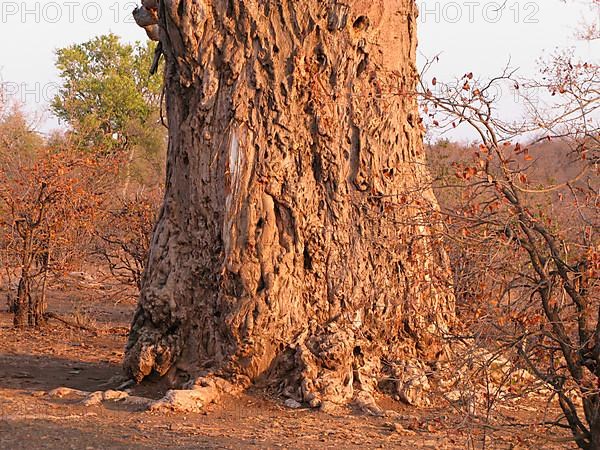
{"x":295,"y":242}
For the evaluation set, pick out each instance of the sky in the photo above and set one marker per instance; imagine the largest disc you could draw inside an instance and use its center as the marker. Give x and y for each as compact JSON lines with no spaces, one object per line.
{"x":469,"y":35}
{"x":481,"y":37}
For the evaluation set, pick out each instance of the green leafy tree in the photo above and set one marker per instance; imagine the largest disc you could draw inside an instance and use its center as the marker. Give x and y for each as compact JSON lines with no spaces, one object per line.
{"x":111,"y":102}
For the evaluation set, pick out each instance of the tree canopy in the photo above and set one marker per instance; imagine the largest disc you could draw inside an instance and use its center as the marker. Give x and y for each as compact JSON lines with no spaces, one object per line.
{"x":108,"y":96}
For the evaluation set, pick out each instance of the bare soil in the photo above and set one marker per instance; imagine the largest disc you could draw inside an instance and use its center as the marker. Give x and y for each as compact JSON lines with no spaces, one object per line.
{"x":35,"y":362}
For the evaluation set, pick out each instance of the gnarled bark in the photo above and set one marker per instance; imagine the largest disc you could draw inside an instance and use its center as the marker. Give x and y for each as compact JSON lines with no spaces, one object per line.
{"x":293,"y":243}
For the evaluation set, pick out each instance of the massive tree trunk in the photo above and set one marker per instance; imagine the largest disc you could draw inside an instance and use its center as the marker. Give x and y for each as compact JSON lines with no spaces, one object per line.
{"x":293,"y":244}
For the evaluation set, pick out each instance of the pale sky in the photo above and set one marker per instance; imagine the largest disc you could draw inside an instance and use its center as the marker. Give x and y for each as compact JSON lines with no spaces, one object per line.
{"x":475,"y":35}
{"x":471,"y":35}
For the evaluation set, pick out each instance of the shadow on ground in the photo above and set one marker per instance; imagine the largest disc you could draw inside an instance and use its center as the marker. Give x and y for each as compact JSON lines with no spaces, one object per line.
{"x":22,"y":371}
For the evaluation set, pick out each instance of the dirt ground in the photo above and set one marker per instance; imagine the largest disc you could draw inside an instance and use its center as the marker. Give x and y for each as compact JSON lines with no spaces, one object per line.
{"x":33,"y":363}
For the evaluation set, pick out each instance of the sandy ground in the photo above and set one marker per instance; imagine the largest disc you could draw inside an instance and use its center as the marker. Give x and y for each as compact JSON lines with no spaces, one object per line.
{"x":33,"y":363}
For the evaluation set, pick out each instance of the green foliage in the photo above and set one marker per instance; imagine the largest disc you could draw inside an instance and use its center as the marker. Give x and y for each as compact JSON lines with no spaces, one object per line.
{"x":108,"y":97}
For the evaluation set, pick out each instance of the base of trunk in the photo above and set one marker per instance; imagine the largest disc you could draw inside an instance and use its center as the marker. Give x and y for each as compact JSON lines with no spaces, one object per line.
{"x":296,"y":245}
{"x":332,"y":367}
{"x":27,"y":308}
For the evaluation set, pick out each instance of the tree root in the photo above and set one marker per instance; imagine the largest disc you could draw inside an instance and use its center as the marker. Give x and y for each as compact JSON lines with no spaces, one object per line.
{"x":194,"y":398}
{"x":79,"y":326}
{"x":332,"y":367}
{"x":187,"y":400}
{"x":365,"y":402}
{"x":196,"y":395}
{"x":98,"y":397}
{"x":70,"y":323}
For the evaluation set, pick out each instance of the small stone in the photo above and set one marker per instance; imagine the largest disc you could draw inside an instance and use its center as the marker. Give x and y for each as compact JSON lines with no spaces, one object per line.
{"x":293,"y":404}
{"x":114,"y":395}
{"x":399,"y":428}
{"x":314,"y":403}
{"x":66,"y":392}
{"x":94,"y":399}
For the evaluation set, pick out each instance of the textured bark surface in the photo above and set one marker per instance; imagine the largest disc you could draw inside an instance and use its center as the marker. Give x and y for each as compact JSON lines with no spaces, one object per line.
{"x":293,"y":243}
